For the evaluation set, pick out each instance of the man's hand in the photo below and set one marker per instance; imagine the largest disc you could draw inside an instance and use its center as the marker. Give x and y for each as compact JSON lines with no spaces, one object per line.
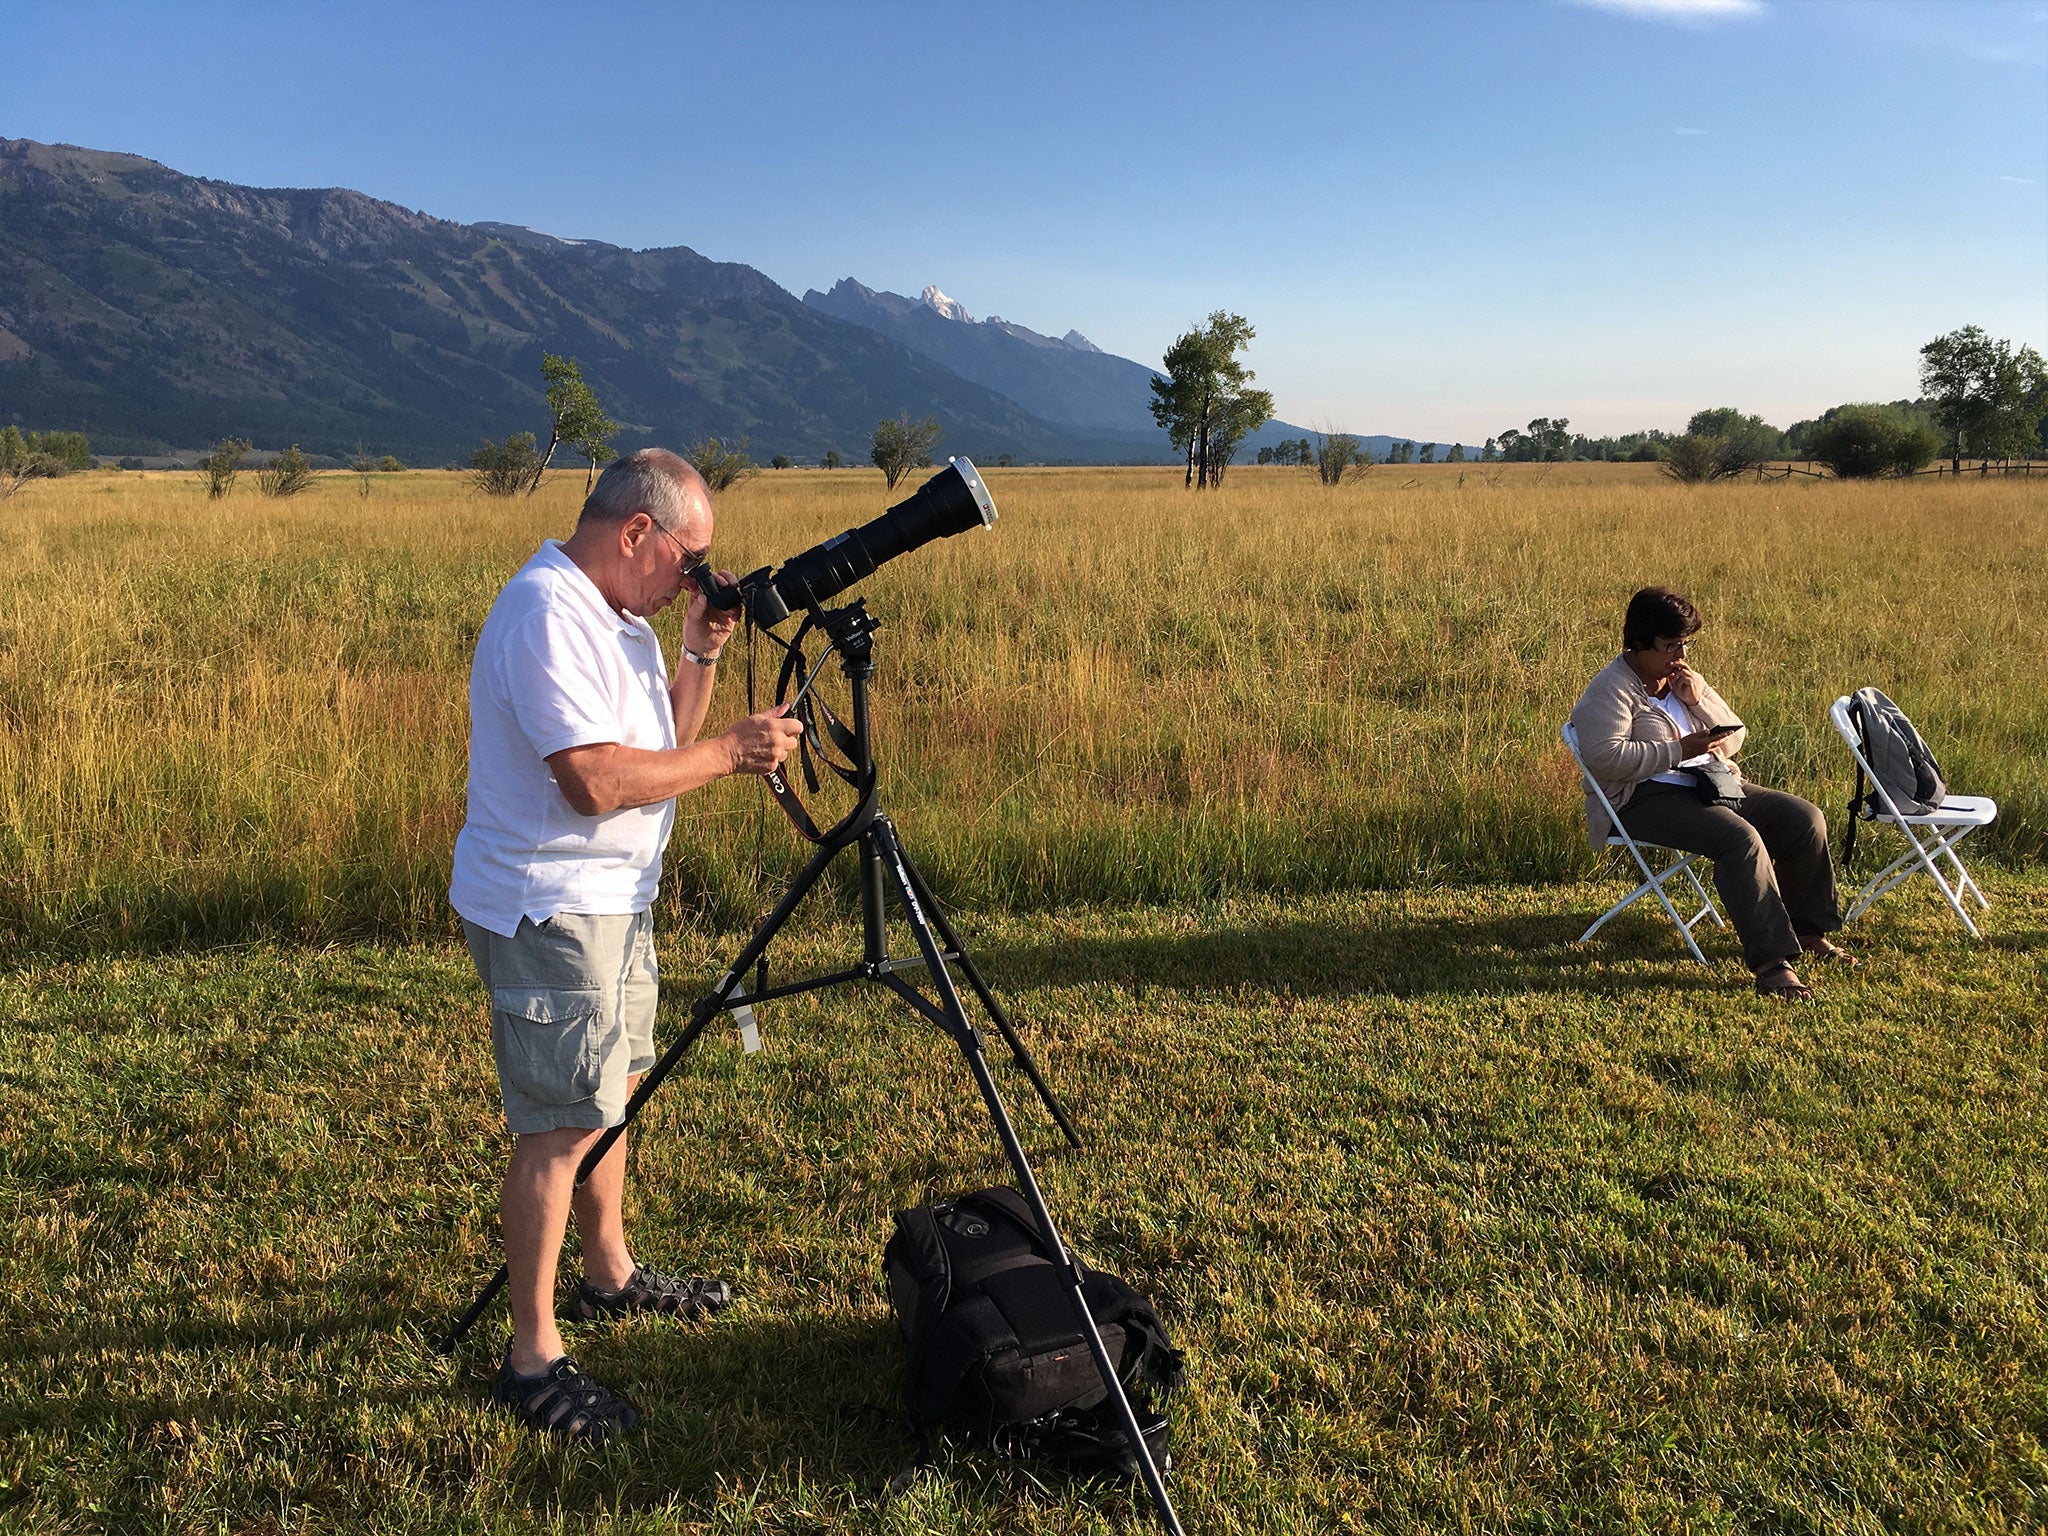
{"x":605,"y":777}
{"x":705,"y":628}
{"x":759,"y":743}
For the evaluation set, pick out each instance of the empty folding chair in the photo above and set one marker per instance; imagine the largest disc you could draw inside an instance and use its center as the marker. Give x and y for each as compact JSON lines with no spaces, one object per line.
{"x":1947,"y":824}
{"x":1653,"y":880}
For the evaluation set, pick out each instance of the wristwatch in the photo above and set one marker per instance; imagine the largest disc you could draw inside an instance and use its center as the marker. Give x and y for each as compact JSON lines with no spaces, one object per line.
{"x":702,"y":660}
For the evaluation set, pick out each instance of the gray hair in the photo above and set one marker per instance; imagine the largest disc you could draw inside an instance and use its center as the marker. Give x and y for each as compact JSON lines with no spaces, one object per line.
{"x":650,"y":480}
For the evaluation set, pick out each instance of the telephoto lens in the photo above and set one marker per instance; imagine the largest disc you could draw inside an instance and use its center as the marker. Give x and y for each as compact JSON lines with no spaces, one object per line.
{"x":952,"y":501}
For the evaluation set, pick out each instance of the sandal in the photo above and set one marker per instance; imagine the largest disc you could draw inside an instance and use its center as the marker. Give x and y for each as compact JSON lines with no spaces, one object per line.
{"x":562,"y":1401}
{"x":650,"y":1291}
{"x":1824,"y":950}
{"x":1779,"y":980}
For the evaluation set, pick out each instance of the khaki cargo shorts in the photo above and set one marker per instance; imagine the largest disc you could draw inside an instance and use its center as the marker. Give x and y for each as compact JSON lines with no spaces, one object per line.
{"x":572,"y":1016}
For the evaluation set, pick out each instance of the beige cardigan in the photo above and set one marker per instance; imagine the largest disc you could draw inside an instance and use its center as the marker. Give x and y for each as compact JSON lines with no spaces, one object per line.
{"x":1624,"y":738}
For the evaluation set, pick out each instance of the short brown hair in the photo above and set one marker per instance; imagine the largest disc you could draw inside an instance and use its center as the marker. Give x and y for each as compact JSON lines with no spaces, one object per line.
{"x":1657,"y":613}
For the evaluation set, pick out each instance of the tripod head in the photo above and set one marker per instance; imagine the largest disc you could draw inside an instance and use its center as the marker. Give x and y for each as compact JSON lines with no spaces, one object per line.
{"x":850,"y":630}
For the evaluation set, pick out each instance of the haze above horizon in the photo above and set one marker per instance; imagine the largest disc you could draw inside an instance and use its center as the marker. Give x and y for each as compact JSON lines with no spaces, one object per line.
{"x":1443,"y":219}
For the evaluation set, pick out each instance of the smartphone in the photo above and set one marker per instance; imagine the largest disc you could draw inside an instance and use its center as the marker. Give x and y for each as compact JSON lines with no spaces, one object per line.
{"x":1722,"y":730}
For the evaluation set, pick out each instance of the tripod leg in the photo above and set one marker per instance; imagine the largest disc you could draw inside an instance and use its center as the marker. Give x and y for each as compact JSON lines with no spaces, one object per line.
{"x":874,"y":918}
{"x":982,"y":990}
{"x":969,"y":1041}
{"x":702,"y":1012}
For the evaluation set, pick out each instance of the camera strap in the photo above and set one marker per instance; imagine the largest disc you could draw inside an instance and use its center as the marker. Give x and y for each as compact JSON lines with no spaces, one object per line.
{"x":820,"y":724}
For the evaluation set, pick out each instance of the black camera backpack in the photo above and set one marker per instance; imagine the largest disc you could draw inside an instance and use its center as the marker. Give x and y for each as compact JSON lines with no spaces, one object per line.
{"x":995,"y":1347}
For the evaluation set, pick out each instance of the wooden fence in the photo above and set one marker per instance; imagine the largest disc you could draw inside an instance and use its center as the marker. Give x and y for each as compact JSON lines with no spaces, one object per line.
{"x":1981,"y":467}
{"x":1988,"y":467}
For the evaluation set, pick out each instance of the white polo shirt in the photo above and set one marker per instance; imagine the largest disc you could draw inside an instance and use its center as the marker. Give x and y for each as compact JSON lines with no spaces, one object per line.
{"x":557,"y":667}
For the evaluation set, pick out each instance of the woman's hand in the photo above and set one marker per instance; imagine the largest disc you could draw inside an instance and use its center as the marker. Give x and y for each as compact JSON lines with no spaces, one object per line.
{"x":1693,"y":744}
{"x":1685,"y":683}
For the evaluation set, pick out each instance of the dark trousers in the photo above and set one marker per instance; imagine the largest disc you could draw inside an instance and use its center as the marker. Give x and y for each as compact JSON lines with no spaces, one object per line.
{"x":1770,"y":856}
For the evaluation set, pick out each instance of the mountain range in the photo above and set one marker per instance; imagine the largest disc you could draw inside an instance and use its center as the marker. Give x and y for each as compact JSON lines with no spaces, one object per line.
{"x":1070,"y":382}
{"x":157,"y":312}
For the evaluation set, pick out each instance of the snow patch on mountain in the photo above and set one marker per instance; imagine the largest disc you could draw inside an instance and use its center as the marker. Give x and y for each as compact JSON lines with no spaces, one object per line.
{"x":951,"y":309}
{"x":936,"y":300}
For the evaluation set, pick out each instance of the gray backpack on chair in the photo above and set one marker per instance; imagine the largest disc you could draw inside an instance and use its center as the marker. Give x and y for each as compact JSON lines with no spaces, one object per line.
{"x":1901,"y":762}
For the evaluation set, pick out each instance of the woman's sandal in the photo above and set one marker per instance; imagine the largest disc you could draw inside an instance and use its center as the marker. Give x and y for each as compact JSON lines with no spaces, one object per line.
{"x":561,"y":1400}
{"x":1827,"y":952}
{"x":1779,"y":980}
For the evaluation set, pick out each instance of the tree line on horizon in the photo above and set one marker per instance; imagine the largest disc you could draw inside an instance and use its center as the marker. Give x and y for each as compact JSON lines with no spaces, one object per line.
{"x":1982,"y":398}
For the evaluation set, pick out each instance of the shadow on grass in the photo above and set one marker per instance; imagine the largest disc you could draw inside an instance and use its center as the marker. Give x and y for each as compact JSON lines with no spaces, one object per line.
{"x":288,"y":1330}
{"x":748,"y":1401}
{"x":169,"y":918}
{"x":1453,"y":957}
{"x":724,"y":1403}
{"x":749,"y":1395}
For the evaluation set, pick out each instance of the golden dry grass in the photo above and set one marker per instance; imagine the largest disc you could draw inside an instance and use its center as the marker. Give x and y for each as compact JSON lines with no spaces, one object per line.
{"x":219,"y":717}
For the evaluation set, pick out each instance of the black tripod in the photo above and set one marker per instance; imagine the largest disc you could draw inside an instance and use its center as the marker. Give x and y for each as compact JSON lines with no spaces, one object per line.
{"x":884,"y":868}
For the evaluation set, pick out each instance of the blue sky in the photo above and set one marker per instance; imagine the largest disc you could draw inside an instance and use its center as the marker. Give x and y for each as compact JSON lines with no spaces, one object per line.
{"x":1443,"y":219}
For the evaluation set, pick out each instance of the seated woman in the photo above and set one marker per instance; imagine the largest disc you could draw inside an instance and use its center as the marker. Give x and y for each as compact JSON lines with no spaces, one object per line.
{"x":1645,"y":717}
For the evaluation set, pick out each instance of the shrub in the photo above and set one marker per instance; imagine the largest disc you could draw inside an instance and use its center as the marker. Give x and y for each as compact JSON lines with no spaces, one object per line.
{"x":365,"y":465}
{"x":507,"y":468}
{"x":1338,"y":455}
{"x":1746,"y":441}
{"x":39,"y":456}
{"x":1861,"y":441}
{"x":22,"y":460}
{"x":781,"y":461}
{"x":720,"y":466}
{"x":1716,"y":445}
{"x":220,"y":466}
{"x":286,"y":475}
{"x":1694,"y":457}
{"x":69,"y":449}
{"x":388,"y":465}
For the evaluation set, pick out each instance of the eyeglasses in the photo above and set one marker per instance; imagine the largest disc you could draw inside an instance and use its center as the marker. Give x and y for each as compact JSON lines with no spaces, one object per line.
{"x":690,"y":557}
{"x":1678,"y":647}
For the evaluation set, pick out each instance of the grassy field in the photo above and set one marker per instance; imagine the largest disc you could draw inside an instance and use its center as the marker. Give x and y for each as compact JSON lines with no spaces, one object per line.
{"x":1463,"y":1230}
{"x":1254,"y":808}
{"x":249,"y":716}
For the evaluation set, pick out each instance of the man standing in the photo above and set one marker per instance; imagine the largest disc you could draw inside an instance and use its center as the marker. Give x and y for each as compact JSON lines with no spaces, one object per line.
{"x":579,"y":742}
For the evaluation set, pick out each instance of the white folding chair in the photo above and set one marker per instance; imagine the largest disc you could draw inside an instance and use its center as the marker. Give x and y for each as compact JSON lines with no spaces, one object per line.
{"x":1653,"y":880}
{"x":1947,"y":824}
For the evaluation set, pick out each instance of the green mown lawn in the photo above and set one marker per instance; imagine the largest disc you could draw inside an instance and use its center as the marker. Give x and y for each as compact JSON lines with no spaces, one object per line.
{"x":1463,"y":1228}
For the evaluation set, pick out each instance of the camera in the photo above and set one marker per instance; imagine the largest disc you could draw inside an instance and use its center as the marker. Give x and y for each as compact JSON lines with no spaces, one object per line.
{"x":952,"y":501}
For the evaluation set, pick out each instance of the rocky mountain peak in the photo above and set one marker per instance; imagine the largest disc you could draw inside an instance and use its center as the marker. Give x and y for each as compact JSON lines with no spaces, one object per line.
{"x":951,"y":309}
